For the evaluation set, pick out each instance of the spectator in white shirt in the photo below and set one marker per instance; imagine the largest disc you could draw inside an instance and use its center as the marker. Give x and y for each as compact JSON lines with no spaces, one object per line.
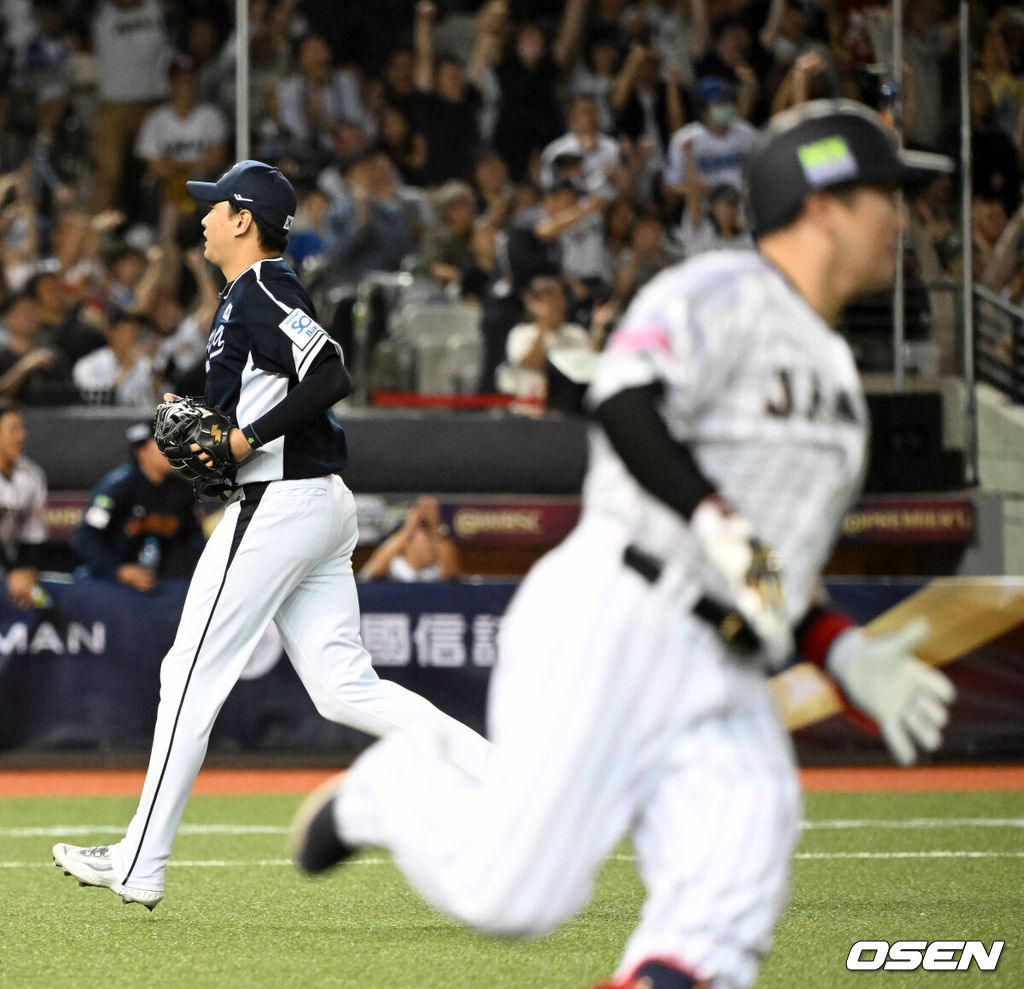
{"x":528,"y":344}
{"x":713,"y":221}
{"x":132,"y":53}
{"x":121,"y":373}
{"x":718,"y":145}
{"x":598,"y":153}
{"x":182,"y":140}
{"x":23,"y":496}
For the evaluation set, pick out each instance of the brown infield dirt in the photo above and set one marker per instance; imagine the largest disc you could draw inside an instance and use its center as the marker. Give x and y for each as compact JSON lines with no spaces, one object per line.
{"x":127,"y":782}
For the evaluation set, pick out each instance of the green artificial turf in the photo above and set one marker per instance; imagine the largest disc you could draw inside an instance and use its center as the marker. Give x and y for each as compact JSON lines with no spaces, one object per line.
{"x":236,"y":914}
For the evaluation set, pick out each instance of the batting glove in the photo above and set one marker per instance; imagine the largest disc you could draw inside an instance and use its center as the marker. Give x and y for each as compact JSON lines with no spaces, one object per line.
{"x":882,"y":678}
{"x":751,"y":571}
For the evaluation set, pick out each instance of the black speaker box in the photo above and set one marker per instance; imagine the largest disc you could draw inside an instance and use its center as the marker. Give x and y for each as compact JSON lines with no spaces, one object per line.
{"x":906,"y":452}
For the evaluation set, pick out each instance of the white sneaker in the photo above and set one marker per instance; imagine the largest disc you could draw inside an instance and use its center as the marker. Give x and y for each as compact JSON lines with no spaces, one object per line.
{"x":92,"y":867}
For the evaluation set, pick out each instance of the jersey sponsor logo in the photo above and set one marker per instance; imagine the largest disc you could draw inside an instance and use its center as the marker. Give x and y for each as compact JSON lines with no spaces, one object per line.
{"x":301,"y":328}
{"x":226,"y":315}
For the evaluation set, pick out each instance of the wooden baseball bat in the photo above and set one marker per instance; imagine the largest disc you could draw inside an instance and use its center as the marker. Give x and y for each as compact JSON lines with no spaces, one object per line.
{"x":963,"y":613}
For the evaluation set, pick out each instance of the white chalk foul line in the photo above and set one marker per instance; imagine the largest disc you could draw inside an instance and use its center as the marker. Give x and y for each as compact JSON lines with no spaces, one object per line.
{"x":371,"y":860}
{"x":917,"y":823}
{"x":220,"y":863}
{"x":909,"y":855}
{"x":57,"y":831}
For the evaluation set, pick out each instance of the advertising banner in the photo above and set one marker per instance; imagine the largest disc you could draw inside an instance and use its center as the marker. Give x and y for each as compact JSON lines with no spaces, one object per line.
{"x":83,"y":673}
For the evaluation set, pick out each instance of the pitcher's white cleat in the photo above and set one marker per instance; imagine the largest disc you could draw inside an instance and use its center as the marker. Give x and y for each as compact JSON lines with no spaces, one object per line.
{"x":92,"y":867}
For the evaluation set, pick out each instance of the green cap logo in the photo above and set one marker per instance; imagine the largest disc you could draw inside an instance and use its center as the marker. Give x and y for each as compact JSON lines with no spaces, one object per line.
{"x":827,"y":162}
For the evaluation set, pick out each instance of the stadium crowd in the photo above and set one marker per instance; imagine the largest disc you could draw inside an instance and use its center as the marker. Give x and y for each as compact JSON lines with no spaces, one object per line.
{"x":536,"y":160}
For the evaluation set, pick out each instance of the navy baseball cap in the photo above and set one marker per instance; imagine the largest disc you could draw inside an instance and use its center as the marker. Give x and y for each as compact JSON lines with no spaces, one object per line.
{"x":139,"y":433}
{"x":826,"y":144}
{"x":712,"y":89}
{"x":255,"y":186}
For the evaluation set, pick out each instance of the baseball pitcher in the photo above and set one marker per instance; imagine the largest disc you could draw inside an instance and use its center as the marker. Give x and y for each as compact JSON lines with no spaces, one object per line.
{"x":264,"y":435}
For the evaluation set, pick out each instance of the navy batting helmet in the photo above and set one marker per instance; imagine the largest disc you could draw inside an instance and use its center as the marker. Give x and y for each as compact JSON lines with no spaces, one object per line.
{"x":825,"y":144}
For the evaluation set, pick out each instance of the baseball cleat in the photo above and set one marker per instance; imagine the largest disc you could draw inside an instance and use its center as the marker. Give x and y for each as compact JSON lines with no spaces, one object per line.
{"x":314,"y":844}
{"x":92,"y":867}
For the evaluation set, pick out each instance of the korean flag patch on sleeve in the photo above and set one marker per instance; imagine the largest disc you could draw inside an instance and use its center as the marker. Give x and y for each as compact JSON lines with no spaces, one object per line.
{"x":302,"y":329}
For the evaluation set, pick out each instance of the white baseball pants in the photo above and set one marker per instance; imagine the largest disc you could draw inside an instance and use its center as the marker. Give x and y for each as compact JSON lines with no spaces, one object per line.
{"x":285,"y":555}
{"x":613,"y":711}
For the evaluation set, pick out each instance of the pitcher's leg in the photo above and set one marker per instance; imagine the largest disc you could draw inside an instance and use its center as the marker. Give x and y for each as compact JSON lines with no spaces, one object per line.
{"x":229,"y":604}
{"x":319,"y":625}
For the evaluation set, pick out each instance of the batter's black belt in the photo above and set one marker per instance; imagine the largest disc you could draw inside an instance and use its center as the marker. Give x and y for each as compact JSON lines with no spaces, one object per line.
{"x":732,"y":628}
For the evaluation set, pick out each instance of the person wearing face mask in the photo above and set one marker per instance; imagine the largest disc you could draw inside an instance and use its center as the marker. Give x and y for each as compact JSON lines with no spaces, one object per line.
{"x":718,"y":145}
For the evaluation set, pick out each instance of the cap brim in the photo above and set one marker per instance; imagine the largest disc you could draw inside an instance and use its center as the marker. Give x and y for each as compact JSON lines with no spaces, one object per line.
{"x":205,"y":192}
{"x":920,"y":167}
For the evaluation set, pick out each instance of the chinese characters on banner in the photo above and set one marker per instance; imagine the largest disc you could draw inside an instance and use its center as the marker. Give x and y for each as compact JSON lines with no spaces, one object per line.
{"x":444,"y":639}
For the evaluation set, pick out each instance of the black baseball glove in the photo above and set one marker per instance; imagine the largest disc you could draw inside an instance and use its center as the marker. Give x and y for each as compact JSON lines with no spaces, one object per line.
{"x":184,"y":422}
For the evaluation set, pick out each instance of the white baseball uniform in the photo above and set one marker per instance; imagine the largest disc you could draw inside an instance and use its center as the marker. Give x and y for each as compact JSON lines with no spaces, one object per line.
{"x":22,"y":511}
{"x":614,"y":709}
{"x":281,"y":553}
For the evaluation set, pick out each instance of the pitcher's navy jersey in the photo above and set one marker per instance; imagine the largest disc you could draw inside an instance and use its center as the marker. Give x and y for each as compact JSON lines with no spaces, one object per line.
{"x":264,"y":340}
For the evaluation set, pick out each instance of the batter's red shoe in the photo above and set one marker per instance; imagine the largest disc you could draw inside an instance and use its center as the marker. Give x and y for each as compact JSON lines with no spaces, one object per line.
{"x":655,"y":975}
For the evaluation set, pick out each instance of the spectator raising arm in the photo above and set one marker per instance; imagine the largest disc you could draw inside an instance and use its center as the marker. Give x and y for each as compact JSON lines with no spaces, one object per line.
{"x":423,"y":45}
{"x":1005,"y":255}
{"x":209,"y":294}
{"x":699,"y":29}
{"x":625,"y":81}
{"x":12,"y":380}
{"x":694,"y":187}
{"x":552,"y":227}
{"x":795,"y":87}
{"x":674,"y":100}
{"x":566,"y":47}
{"x":487,"y":46}
{"x":419,"y":550}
